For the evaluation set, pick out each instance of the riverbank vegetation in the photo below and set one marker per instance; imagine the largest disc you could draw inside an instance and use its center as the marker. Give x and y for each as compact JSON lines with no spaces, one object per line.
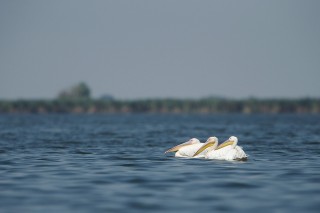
{"x":77,"y":100}
{"x":206,"y":105}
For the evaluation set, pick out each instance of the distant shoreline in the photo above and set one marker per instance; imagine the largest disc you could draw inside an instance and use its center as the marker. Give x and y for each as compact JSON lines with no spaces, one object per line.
{"x":176,"y":106}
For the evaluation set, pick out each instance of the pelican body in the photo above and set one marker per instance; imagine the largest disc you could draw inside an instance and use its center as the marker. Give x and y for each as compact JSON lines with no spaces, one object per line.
{"x":228,"y":150}
{"x":189,"y":148}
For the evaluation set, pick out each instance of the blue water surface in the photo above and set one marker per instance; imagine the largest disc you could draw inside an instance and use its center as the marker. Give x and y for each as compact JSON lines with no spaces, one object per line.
{"x":116,"y":163}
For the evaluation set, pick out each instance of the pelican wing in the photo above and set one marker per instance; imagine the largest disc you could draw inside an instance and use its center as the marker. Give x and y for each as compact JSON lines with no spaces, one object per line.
{"x":228,"y":153}
{"x":240,"y":154}
{"x":219,"y":154}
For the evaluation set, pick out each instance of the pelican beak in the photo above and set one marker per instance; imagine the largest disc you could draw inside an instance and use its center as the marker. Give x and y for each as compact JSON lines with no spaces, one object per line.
{"x":203,"y":147}
{"x":176,"y":148}
{"x":224,"y":144}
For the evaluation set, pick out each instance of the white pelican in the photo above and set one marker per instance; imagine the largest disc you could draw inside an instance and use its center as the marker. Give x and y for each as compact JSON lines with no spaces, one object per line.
{"x":228,"y":150}
{"x":189,"y":148}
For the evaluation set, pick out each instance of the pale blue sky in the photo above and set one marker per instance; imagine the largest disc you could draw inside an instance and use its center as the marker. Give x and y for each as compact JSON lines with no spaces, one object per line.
{"x":144,"y":49}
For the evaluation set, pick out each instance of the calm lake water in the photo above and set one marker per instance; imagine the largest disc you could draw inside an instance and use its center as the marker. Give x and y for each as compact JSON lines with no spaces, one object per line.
{"x":115,"y":163}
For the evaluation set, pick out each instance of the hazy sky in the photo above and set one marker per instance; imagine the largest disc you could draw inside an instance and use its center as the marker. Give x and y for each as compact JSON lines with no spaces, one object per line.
{"x":141,"y":49}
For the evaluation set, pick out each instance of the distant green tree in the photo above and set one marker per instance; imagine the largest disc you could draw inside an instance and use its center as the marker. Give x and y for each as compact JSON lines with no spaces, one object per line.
{"x":79,"y":91}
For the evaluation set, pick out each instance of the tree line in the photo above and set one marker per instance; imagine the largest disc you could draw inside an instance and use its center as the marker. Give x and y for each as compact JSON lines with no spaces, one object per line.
{"x":77,"y":99}
{"x":206,"y":105}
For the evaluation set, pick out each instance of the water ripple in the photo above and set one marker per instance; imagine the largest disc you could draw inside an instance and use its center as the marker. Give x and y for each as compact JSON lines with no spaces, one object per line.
{"x":115,"y":163}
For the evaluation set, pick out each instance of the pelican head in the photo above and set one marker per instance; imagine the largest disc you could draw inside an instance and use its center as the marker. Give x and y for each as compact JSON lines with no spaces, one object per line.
{"x":211,"y":142}
{"x":233,"y":141}
{"x":189,"y":142}
{"x":194,"y":141}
